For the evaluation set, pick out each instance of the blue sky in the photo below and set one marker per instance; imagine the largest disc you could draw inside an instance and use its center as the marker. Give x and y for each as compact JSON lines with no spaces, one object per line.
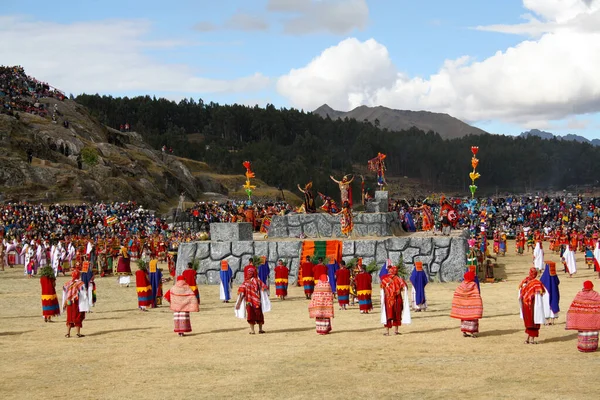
{"x":503,"y":65}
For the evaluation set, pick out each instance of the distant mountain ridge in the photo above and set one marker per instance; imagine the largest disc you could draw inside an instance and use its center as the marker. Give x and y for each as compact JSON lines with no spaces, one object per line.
{"x":395,"y":120}
{"x":550,"y":136}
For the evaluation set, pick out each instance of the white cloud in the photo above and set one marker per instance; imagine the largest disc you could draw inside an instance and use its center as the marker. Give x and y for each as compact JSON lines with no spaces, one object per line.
{"x":315,"y":16}
{"x":105,"y":56}
{"x":550,"y":78}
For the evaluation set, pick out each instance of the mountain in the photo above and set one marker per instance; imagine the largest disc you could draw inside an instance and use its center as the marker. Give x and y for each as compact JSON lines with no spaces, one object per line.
{"x":395,"y":120}
{"x":548,"y":136}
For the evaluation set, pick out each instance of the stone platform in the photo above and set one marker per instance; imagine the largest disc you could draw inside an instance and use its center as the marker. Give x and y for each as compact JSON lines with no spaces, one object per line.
{"x":443,"y":257}
{"x":323,"y":225}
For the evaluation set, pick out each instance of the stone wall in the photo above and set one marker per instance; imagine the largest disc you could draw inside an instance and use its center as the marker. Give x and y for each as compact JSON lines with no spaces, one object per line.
{"x":443,"y":257}
{"x":322,"y":225}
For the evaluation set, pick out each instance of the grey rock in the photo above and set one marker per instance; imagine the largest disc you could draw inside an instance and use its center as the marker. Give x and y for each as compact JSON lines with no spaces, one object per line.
{"x":230,"y":231}
{"x":381,"y":253}
{"x":201,"y":280}
{"x":202,"y":250}
{"x":260,"y":249}
{"x":409,"y":254}
{"x":235,"y":263}
{"x":185,"y":254}
{"x":219,"y":250}
{"x":208,"y":264}
{"x":434,"y":269}
{"x":347,"y":248}
{"x":374,"y":230}
{"x":360,"y":230}
{"x":293,"y":232}
{"x":311,"y":230}
{"x":442,"y":241}
{"x":242,"y":248}
{"x":425,"y":244}
{"x":324,"y":227}
{"x":288,"y":249}
{"x":397,"y":244}
{"x":382,"y":195}
{"x":365,"y":248}
{"x":395,"y":256}
{"x":455,"y":265}
{"x":440,"y":254}
{"x":272,"y":256}
{"x":293,"y":219}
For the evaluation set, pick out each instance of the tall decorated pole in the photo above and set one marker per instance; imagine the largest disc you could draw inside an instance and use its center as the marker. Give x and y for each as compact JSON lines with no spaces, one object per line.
{"x":474,"y":175}
{"x":247,"y":186}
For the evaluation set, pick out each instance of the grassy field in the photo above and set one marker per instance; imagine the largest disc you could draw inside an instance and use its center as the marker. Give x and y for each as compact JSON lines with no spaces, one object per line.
{"x":127,"y":354}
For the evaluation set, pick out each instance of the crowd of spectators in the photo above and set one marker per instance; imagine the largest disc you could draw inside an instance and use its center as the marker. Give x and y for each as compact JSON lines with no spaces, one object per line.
{"x":21,"y":93}
{"x":203,"y":213}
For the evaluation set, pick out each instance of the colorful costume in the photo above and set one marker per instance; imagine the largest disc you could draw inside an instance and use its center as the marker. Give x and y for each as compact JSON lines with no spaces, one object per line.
{"x":551,"y":297}
{"x":281,"y":280}
{"x":342,"y":278}
{"x":226,"y":277}
{"x":467,"y":305}
{"x":307,"y":277}
{"x":530,"y":296}
{"x":156,"y":282}
{"x":144,"y":289}
{"x":584,"y":316}
{"x":50,"y":306}
{"x":418,"y":279}
{"x":183,"y":301}
{"x":321,"y":306}
{"x":75,"y":300}
{"x":363,"y":291}
{"x":392,"y":303}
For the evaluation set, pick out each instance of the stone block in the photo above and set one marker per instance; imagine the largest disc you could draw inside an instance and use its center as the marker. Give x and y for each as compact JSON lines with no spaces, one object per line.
{"x":310,"y":229}
{"x":261,"y":249}
{"x":242,"y":248}
{"x":347,"y":248}
{"x":360,"y":230}
{"x":364,"y":248}
{"x":208,"y":264}
{"x":374,"y":230}
{"x":235,"y":263}
{"x":293,"y":219}
{"x":279,"y":227}
{"x":440,"y":254}
{"x":397,"y":244}
{"x":409,"y":254}
{"x":293,"y":232}
{"x":454,"y":266}
{"x":202,"y":250}
{"x":394,"y":256}
{"x":324,"y":227}
{"x":272,"y":256}
{"x":220,"y":250}
{"x":293,"y":266}
{"x":288,"y":249}
{"x":373,"y":207}
{"x":186,"y":253}
{"x":381,"y":253}
{"x":442,"y":241}
{"x":382,"y":195}
{"x":425,"y":244}
{"x":220,"y":231}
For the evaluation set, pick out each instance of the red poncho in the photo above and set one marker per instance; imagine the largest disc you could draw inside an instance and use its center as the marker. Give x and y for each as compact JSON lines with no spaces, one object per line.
{"x":584,"y":312}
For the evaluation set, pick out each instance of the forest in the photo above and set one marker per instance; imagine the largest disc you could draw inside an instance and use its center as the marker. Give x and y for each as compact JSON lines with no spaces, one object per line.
{"x":289,"y":147}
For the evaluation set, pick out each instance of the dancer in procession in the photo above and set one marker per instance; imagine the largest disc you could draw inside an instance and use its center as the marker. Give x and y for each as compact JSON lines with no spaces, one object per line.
{"x":584,"y":317}
{"x":393,"y":304}
{"x":182,"y":301}
{"x":321,"y":305}
{"x":281,"y":280}
{"x":467,"y":305}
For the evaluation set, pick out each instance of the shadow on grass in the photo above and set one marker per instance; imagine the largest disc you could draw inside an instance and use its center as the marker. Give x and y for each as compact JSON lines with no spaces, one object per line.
{"x":99,"y":333}
{"x":499,"y":332}
{"x":14,"y":333}
{"x":307,"y":329}
{"x":567,"y":338}
{"x":356,"y":330}
{"x":434,"y":330}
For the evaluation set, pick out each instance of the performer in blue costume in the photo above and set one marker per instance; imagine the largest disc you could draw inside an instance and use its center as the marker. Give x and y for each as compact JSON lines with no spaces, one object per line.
{"x":264,"y":272}
{"x":226,"y":276}
{"x":155,"y":281}
{"x":551,"y":298}
{"x":418,"y":279}
{"x":331,"y":270}
{"x":383,"y":272}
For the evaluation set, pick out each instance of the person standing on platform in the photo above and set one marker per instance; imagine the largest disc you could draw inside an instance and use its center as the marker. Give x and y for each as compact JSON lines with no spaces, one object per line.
{"x":226,"y":278}
{"x":584,"y":317}
{"x":50,"y":307}
{"x":467,"y":306}
{"x":182,"y":301}
{"x":143,"y":288}
{"x":321,"y":305}
{"x":418,"y":279}
{"x":393,"y":306}
{"x":342,"y":278}
{"x":281,"y":280}
{"x":252,"y":294}
{"x":307,"y":277}
{"x":532,"y":311}
{"x":364,"y":290}
{"x":190,"y":278}
{"x":76,"y":303}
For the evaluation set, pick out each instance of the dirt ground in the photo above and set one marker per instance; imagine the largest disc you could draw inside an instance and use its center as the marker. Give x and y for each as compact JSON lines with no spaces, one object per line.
{"x":127,"y":354}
